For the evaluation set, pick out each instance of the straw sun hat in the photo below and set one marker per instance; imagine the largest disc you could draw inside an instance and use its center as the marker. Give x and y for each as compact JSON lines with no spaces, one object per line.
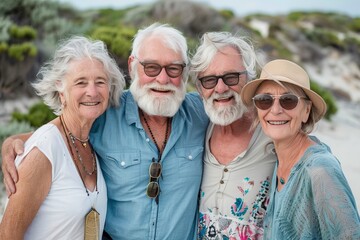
{"x":285,"y":72}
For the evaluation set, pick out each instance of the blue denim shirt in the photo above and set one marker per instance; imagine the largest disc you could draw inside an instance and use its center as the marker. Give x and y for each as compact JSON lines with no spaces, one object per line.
{"x":125,"y":152}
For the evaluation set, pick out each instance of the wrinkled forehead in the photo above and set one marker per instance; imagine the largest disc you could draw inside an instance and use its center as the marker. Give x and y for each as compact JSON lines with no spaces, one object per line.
{"x":156,"y":48}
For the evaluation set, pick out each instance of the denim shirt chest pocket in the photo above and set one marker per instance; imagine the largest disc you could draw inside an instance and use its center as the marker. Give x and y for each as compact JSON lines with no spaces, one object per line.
{"x":190,"y":161}
{"x":123,"y":167}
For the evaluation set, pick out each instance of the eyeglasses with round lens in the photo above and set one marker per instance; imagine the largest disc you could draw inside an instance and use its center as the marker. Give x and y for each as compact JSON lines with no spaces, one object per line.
{"x":153,"y":188}
{"x":287,"y":101}
{"x":153,"y":69}
{"x":230,"y":79}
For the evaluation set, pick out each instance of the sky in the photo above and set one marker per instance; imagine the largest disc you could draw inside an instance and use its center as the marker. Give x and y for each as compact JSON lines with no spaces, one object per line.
{"x":241,"y":8}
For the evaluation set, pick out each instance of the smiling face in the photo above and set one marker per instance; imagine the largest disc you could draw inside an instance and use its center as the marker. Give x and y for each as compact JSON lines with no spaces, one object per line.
{"x":222,"y":103}
{"x":160,"y":95}
{"x":86,"y":93}
{"x":278,"y":123}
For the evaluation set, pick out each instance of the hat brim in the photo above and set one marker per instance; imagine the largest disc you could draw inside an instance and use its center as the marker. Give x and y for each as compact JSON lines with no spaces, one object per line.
{"x":248,"y":92}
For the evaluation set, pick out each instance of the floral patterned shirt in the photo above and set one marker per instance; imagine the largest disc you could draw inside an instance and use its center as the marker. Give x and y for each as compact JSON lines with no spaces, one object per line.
{"x":234,"y":197}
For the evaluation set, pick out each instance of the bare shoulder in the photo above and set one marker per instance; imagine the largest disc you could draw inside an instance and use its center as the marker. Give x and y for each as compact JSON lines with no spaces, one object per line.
{"x":35,"y":165}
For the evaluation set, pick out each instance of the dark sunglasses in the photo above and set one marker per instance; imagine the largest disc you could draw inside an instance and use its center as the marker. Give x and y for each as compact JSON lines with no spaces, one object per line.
{"x":287,"y":101}
{"x":153,"y":188}
{"x":230,"y":79}
{"x":154,"y":69}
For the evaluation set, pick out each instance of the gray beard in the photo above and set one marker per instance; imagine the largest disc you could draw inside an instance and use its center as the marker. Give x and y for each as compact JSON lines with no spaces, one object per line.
{"x":166,"y":106}
{"x":224,"y":115}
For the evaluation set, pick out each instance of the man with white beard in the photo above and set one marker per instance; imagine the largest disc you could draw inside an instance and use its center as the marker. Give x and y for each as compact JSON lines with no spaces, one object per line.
{"x":238,"y":160}
{"x":151,"y":147}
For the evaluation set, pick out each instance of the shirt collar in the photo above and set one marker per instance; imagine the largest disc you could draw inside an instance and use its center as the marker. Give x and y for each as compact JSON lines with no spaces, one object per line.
{"x":131,"y":110}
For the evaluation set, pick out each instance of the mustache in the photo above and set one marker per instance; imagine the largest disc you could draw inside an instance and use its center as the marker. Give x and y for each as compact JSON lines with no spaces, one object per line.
{"x":217,"y":96}
{"x":161,"y":87}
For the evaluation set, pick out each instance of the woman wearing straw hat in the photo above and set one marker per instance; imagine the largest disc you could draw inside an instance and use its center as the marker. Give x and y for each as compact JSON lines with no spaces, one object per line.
{"x":310,"y":197}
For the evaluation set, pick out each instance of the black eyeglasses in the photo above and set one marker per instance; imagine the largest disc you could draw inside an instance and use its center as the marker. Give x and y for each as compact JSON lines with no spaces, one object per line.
{"x":153,"y":188}
{"x":287,"y":101}
{"x":153,"y":69}
{"x":230,"y":79}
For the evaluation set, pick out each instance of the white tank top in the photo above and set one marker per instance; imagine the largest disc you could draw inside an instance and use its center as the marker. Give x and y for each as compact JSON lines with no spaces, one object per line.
{"x":62,"y":214}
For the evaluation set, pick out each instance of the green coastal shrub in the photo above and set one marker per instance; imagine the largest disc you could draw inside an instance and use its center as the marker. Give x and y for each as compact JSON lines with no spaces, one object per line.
{"x":22,"y":50}
{"x":227,"y":14}
{"x":355,"y":25}
{"x":38,"y":115}
{"x":22,"y":32}
{"x":327,"y":96}
{"x":324,"y":38}
{"x":117,"y":39}
{"x":3,"y":47}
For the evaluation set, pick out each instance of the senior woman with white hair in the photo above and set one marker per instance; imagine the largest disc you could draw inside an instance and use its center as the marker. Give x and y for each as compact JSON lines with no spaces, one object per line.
{"x":310,"y":197}
{"x":61,"y":192}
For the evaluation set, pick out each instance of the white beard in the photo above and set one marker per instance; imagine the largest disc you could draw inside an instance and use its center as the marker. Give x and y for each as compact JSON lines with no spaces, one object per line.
{"x":224,"y":115}
{"x":166,"y":106}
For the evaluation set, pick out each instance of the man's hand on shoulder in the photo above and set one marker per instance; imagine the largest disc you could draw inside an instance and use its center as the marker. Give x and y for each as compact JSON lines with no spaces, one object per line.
{"x":11,"y":147}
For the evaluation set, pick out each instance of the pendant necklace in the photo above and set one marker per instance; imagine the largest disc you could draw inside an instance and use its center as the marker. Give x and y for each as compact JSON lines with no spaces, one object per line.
{"x":83,"y":142}
{"x":92,"y":218}
{"x":282,"y":180}
{"x":73,"y":138}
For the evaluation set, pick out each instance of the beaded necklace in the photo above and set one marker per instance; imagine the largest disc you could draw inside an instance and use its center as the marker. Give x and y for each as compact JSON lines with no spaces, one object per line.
{"x":78,"y":154}
{"x":80,"y":158}
{"x":152,"y":135}
{"x":83,"y":142}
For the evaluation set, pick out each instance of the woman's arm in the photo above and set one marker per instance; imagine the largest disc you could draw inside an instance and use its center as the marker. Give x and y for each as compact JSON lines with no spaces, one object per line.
{"x":335,"y":204}
{"x":32,"y":188}
{"x":11,"y":147}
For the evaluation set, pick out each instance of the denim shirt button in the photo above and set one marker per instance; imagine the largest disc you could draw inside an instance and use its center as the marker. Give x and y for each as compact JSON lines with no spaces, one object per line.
{"x":147,"y":139}
{"x":122,"y":163}
{"x":190,"y":157}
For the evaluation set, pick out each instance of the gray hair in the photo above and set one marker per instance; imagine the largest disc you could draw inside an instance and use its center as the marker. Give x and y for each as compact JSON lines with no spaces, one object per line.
{"x":213,"y":42}
{"x":52,"y":72}
{"x":171,"y":38}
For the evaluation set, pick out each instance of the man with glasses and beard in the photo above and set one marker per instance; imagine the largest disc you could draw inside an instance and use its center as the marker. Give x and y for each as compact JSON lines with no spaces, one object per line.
{"x":239,"y":158}
{"x":151,"y":147}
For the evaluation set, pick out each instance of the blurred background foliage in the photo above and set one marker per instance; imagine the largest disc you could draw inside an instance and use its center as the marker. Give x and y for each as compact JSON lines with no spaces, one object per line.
{"x":30,"y":29}
{"x":38,"y":115}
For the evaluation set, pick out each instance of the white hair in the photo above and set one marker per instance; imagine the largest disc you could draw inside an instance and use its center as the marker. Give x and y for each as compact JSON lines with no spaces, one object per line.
{"x":50,"y":80}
